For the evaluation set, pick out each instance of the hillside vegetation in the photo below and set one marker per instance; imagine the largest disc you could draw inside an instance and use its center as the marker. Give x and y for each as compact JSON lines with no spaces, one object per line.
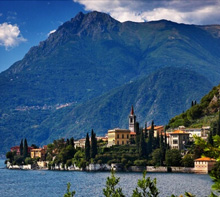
{"x":201,"y":114}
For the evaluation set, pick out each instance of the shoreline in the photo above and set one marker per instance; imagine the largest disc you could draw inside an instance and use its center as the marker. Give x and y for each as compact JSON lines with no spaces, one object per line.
{"x":108,"y":168}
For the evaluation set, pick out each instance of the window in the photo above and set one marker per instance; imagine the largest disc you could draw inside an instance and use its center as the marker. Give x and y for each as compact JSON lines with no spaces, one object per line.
{"x":117,"y":142}
{"x":122,"y":142}
{"x":175,"y":141}
{"x":122,"y":136}
{"x":117,"y":135}
{"x":131,"y":120}
{"x":127,"y":136}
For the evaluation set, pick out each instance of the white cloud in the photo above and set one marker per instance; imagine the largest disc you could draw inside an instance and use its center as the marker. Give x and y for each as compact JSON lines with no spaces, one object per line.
{"x":10,"y":36}
{"x":51,"y":32}
{"x":187,"y":11}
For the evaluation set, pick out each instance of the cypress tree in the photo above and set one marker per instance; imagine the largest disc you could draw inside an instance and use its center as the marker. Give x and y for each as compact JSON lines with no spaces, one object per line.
{"x":210,"y":139}
{"x":87,"y":147}
{"x":195,"y":103}
{"x":72,"y":142}
{"x":25,"y":153}
{"x":21,"y":147}
{"x":142,"y":148}
{"x":67,"y":142}
{"x":93,"y":149}
{"x":150,"y":139}
{"x":192,"y":104}
{"x":162,"y":150}
{"x":137,"y":138}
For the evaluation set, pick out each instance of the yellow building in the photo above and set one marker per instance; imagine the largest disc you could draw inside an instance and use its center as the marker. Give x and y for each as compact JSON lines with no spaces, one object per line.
{"x":38,"y":153}
{"x":118,"y":137}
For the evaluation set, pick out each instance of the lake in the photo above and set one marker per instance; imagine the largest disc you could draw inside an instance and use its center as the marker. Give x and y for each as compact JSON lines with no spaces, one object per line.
{"x":21,"y":183}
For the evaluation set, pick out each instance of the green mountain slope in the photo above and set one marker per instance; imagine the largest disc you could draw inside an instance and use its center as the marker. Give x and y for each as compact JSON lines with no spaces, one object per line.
{"x":201,"y":114}
{"x":153,"y":98}
{"x":91,"y":55}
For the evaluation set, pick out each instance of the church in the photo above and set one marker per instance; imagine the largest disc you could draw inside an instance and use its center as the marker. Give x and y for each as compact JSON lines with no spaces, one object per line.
{"x":122,"y":136}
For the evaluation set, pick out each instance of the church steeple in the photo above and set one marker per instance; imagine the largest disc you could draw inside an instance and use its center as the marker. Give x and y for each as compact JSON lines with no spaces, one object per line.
{"x":132,"y":120}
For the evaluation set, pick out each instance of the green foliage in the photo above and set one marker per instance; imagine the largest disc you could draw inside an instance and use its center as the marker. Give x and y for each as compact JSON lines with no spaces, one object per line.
{"x":173,"y":157}
{"x":87,"y":148}
{"x":110,"y":189}
{"x":188,"y":160}
{"x":25,"y":153}
{"x":146,"y":187}
{"x":28,"y":160}
{"x":197,"y":114}
{"x":68,"y":192}
{"x":93,"y":148}
{"x":140,"y":162}
{"x":10,"y":156}
{"x":157,"y":156}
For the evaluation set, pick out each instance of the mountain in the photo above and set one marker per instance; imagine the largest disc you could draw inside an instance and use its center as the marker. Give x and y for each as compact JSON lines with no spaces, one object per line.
{"x":93,"y":55}
{"x":202,"y":114}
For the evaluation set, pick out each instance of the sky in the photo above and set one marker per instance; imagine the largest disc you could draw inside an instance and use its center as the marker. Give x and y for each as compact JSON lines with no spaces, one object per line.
{"x":24,"y":24}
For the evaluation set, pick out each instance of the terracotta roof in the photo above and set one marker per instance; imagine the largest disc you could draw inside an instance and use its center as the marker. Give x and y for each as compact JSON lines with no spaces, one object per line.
{"x":205,"y":159}
{"x":179,"y":132}
{"x":132,"y":133}
{"x":155,"y":127}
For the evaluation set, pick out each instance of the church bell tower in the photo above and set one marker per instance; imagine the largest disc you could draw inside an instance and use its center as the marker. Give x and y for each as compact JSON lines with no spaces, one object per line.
{"x":132,"y":120}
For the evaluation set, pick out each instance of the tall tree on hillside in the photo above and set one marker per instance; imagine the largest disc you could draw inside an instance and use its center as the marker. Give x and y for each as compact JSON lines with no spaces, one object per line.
{"x":87,"y":147}
{"x":137,"y":138}
{"x":21,"y":147}
{"x":25,"y":154}
{"x":72,"y":141}
{"x":67,"y":142}
{"x":143,"y":145}
{"x":218,"y":124}
{"x":93,"y":150}
{"x":192,"y":104}
{"x":162,"y":149}
{"x":150,"y":139}
{"x":210,"y":139}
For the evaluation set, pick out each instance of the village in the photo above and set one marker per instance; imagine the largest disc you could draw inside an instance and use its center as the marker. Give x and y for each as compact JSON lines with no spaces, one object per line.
{"x":180,"y":139}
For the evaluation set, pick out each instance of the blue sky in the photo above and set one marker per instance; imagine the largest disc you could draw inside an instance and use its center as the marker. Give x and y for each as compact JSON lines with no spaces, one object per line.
{"x":24,"y":24}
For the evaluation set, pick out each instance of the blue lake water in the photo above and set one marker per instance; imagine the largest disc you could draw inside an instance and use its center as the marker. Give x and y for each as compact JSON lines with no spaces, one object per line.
{"x":21,"y":183}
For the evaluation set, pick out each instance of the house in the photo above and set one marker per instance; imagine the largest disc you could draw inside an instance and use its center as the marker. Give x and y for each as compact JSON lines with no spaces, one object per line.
{"x":158,"y":130}
{"x":39,"y":153}
{"x":118,"y":136}
{"x":17,"y":149}
{"x":204,"y":165}
{"x":80,"y":143}
{"x":178,"y":139}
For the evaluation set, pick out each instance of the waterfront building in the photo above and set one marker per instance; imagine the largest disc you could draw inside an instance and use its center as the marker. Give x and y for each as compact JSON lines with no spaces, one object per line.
{"x":178,"y":139}
{"x":204,"y":164}
{"x":118,"y":136}
{"x":17,"y":149}
{"x":39,"y":153}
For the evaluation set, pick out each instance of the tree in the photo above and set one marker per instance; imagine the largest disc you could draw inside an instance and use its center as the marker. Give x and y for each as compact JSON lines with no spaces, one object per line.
{"x":21,"y":147}
{"x":93,"y":149}
{"x":150,"y":139}
{"x":110,"y":189}
{"x":87,"y":147}
{"x":146,"y":187}
{"x":67,"y":142}
{"x":143,"y":145}
{"x":137,"y":138}
{"x":68,"y":192}
{"x":173,"y":157}
{"x":72,"y":142}
{"x":25,"y":153}
{"x":10,"y":155}
{"x":156,"y":157}
{"x":188,"y":160}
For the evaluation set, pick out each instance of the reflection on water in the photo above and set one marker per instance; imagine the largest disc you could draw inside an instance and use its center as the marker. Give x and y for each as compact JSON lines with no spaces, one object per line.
{"x":53,"y":183}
